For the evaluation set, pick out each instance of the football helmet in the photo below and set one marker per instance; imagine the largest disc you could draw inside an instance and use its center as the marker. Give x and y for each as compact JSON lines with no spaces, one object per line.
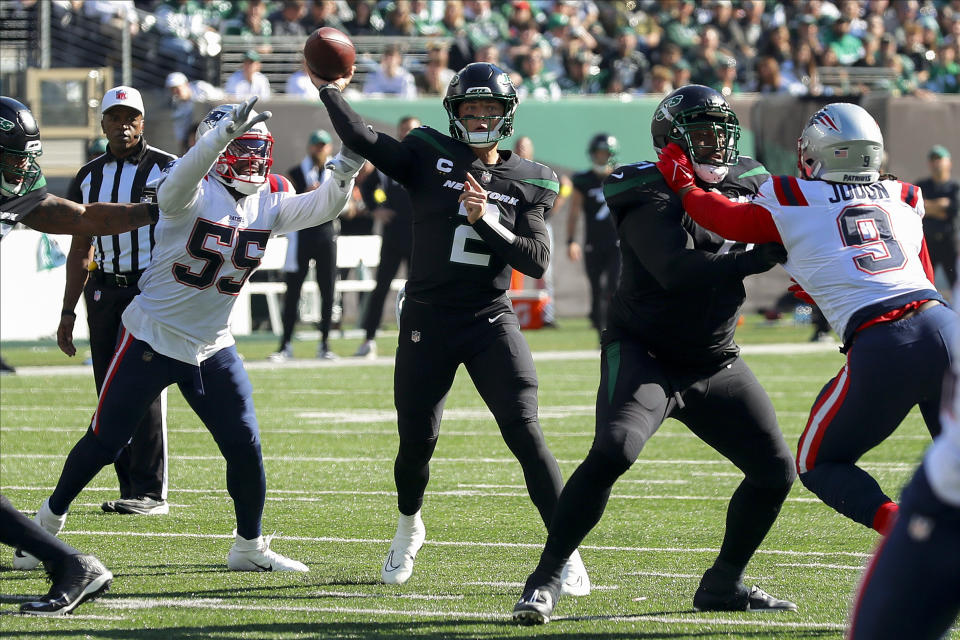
{"x":603,"y":142}
{"x":481,"y":80}
{"x":841,"y":143}
{"x":19,"y":148}
{"x":701,"y":122}
{"x":246,"y":161}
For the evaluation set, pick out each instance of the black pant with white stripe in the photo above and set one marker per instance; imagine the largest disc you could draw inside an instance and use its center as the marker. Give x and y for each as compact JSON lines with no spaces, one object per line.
{"x":142,"y":465}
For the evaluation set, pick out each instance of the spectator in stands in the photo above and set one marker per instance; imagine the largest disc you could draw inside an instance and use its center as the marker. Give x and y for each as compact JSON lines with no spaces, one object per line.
{"x":179,"y":24}
{"x":852,"y":11}
{"x":398,"y":20}
{"x":484,"y":25}
{"x":660,"y":80}
{"x":848,"y":48}
{"x":625,"y":66}
{"x":682,"y":28}
{"x":520,"y":14}
{"x":681,"y":73}
{"x":299,"y":86}
{"x":366,"y":20}
{"x":777,"y":44}
{"x":323,"y":13}
{"x":945,"y":70}
{"x":941,"y":198}
{"x":425,"y":22}
{"x":536,"y":82}
{"x":726,"y":81}
{"x":708,"y":54}
{"x":248,"y":81}
{"x":769,"y":79}
{"x":670,"y":55}
{"x":183,"y":95}
{"x":390,"y":77}
{"x":808,"y":32}
{"x":802,"y":68}
{"x":583,"y":75}
{"x":729,"y":30}
{"x":436,"y":75}
{"x":526,"y":40}
{"x":96,"y":148}
{"x":253,"y":24}
{"x":753,"y":26}
{"x":390,"y":205}
{"x":286,"y":21}
{"x":453,"y":25}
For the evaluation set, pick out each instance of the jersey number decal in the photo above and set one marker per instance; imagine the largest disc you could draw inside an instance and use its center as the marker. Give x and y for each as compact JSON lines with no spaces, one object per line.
{"x":464,"y":232}
{"x":213,"y":260}
{"x":868,"y":227}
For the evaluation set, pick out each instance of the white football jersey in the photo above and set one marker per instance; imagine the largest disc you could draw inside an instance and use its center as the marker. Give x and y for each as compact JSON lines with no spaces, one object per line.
{"x":848,"y":246}
{"x":207,"y":245}
{"x":943,"y":458}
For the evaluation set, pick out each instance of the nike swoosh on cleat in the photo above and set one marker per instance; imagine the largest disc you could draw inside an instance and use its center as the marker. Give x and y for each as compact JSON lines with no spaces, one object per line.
{"x":494,"y":318}
{"x":269,"y":567}
{"x":617,"y":175}
{"x":388,"y":566}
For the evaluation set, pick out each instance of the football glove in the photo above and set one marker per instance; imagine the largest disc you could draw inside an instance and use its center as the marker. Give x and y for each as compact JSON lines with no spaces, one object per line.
{"x":346,"y":164}
{"x":799,"y":293}
{"x":762,"y":257}
{"x":240,"y":121}
{"x":675,"y":167}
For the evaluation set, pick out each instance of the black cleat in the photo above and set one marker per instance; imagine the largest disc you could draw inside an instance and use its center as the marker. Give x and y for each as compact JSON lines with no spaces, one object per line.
{"x":755,"y":599}
{"x":78,"y":579}
{"x":534,"y":607}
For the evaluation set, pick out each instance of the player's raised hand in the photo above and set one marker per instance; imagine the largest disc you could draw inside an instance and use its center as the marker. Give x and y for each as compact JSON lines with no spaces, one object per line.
{"x":675,"y":167}
{"x":319,"y":83}
{"x":474,"y":199}
{"x":241,"y":122}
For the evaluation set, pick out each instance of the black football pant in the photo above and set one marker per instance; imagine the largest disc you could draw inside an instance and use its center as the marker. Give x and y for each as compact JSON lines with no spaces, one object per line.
{"x":727,"y":409}
{"x":911,"y":588}
{"x":142,"y":465}
{"x":433,"y":342}
{"x":20,"y":532}
{"x":602,"y":264}
{"x":390,"y":259}
{"x":321,"y":247}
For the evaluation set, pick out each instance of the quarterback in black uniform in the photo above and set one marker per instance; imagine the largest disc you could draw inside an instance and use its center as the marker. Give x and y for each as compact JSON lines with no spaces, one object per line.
{"x":669,"y":352}
{"x":24,"y":198}
{"x":477,"y":213}
{"x":600,"y":251}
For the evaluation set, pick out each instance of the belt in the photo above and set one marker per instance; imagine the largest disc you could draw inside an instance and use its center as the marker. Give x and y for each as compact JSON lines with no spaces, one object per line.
{"x":127,"y":279}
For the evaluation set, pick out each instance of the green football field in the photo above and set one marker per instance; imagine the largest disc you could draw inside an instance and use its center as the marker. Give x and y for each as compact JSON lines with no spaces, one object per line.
{"x":329,"y":438}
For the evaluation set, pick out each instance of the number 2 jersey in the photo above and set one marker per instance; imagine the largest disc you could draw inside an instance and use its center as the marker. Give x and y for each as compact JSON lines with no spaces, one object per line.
{"x":207,"y":245}
{"x":454,"y":263}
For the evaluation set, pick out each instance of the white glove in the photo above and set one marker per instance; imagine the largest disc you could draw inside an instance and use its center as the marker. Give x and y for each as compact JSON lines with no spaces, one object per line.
{"x":346,"y":164}
{"x":240,"y":121}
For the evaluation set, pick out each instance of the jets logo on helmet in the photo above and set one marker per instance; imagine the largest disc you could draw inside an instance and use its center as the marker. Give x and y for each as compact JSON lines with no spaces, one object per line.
{"x":481,"y":81}
{"x":6,"y":125}
{"x":19,"y":148}
{"x":246,"y":161}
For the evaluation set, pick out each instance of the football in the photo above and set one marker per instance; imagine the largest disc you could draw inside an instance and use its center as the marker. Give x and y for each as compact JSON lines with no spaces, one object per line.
{"x":329,"y":53}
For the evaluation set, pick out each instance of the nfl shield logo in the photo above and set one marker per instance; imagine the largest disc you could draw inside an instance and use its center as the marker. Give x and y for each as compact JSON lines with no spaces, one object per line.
{"x":121,"y":94}
{"x":485,"y":177}
{"x":415,"y":336}
{"x":96,"y":296}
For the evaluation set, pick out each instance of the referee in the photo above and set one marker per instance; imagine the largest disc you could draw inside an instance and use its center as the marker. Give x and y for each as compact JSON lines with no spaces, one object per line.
{"x":106,"y":269}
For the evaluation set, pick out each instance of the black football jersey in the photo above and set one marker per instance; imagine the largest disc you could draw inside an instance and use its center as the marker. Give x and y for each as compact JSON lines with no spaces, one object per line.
{"x":680,"y":290}
{"x":13,"y":209}
{"x":598,"y":223}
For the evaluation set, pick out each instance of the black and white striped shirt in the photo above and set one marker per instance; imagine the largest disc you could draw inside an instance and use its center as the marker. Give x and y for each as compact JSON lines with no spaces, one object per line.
{"x":110,"y":179}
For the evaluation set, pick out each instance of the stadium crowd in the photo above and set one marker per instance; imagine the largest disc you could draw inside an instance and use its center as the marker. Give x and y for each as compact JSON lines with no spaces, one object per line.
{"x":557,"y":47}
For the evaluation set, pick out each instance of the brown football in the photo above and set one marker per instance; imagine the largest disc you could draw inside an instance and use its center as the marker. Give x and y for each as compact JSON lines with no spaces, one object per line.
{"x":329,"y":53}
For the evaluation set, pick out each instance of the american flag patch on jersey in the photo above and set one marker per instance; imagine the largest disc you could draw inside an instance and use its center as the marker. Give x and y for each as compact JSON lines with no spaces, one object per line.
{"x":839,"y":153}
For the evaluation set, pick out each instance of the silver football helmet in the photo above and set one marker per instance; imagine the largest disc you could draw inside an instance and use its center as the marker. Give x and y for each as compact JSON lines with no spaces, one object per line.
{"x":841,"y":143}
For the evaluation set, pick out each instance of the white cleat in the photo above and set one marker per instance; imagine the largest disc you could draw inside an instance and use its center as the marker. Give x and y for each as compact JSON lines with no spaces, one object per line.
{"x":410,"y":535}
{"x":575,"y":581}
{"x":368,"y":349}
{"x":256,"y":555}
{"x":49,"y":521}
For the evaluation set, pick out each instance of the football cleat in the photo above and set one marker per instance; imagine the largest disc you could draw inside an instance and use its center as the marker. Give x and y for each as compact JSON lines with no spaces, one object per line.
{"x":574,"y":579}
{"x":110,"y":506}
{"x":324,"y":353}
{"x":755,"y":599}
{"x":534,"y":607}
{"x":49,"y":521}
{"x":367,"y":349}
{"x":76,"y":580}
{"x":256,"y":555}
{"x":141,"y":505}
{"x":286,"y":353}
{"x":398,"y":567}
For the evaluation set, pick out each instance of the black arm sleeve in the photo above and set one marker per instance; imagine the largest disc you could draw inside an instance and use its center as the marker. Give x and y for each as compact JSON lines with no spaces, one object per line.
{"x":386,"y":153}
{"x":659,"y":242}
{"x":73,"y":192}
{"x":526,"y":248}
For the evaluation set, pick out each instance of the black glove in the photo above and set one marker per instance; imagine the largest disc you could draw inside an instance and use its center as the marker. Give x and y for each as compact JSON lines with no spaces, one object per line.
{"x":762,"y":257}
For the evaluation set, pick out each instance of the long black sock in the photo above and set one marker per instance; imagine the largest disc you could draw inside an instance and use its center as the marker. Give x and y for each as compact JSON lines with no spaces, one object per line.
{"x":411,"y":472}
{"x":750,"y":515}
{"x":20,"y":532}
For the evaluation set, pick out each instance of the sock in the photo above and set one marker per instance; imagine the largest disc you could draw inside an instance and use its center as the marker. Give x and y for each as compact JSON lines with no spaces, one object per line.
{"x":885,"y":518}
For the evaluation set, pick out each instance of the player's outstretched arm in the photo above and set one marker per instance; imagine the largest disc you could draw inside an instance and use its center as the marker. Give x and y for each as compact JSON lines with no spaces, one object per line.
{"x":326,"y":202}
{"x":56,"y":215}
{"x":383,"y":150}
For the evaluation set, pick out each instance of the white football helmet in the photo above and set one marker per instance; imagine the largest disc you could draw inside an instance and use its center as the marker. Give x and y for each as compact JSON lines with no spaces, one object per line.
{"x":841,"y":143}
{"x":246,"y":161}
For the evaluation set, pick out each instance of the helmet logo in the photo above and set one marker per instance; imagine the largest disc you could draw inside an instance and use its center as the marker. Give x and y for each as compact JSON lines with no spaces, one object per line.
{"x":474,"y":90}
{"x":504,"y":79}
{"x":6,"y":125}
{"x":823,"y":119}
{"x":674,"y":101}
{"x":455,"y":80}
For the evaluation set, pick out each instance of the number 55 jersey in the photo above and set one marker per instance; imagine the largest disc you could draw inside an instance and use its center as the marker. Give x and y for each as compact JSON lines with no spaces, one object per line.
{"x":207,"y":245}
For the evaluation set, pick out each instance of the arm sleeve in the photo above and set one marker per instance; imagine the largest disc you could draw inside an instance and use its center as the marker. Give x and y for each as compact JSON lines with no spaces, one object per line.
{"x":660,"y":244}
{"x":740,"y":221}
{"x":526,"y":249}
{"x":73,"y":192}
{"x":179,"y":189}
{"x":388,"y":154}
{"x":304,"y":210}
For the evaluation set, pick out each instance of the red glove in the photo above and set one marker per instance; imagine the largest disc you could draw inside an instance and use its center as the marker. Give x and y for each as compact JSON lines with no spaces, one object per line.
{"x":799,"y":293}
{"x":675,"y":167}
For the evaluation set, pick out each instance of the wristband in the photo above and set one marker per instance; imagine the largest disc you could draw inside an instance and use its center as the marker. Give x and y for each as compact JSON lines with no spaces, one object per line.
{"x":68,"y":312}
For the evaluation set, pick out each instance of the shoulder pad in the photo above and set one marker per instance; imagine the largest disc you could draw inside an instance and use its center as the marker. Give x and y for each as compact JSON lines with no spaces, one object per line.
{"x":431,"y":138}
{"x":635,"y":182}
{"x":749,"y":172}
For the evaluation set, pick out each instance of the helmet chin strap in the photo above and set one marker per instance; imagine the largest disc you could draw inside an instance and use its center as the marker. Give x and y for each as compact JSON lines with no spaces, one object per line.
{"x":711,"y":174}
{"x":11,"y":187}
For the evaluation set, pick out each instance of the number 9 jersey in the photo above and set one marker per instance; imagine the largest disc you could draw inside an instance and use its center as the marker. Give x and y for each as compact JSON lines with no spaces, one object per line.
{"x":861,"y":265}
